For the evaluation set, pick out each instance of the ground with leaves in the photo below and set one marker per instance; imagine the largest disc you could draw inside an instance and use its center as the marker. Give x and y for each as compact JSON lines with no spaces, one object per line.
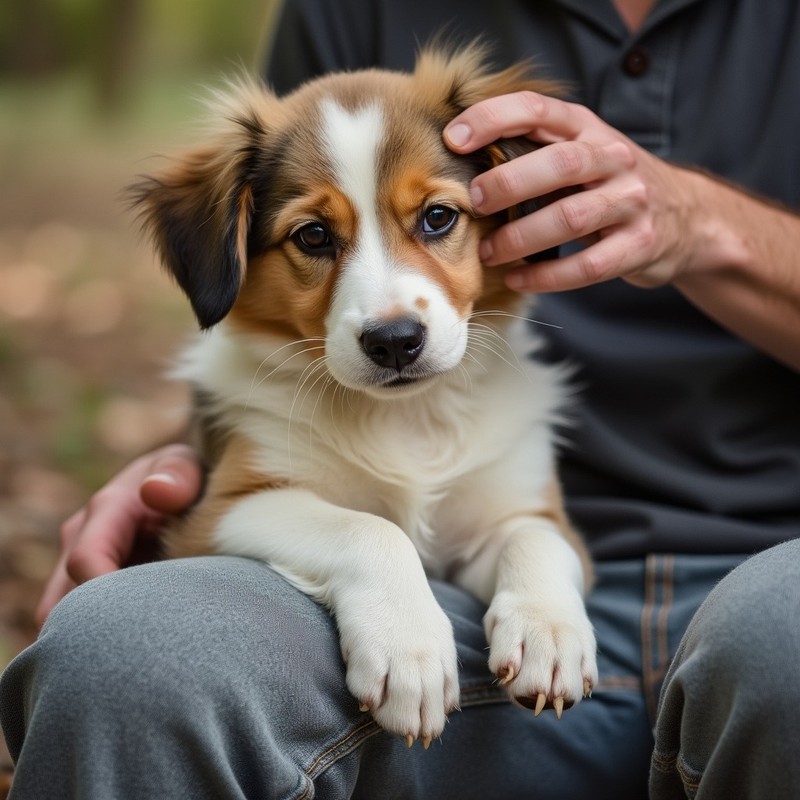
{"x":88,"y":324}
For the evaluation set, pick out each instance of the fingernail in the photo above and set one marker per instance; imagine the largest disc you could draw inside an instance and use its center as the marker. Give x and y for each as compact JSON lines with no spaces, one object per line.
{"x":485,"y":250}
{"x":458,"y":134}
{"x":162,"y":477}
{"x":476,"y":196}
{"x":515,"y":281}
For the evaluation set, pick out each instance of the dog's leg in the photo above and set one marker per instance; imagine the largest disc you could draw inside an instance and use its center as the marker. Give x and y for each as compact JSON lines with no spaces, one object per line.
{"x":541,"y":643}
{"x":396,"y":641}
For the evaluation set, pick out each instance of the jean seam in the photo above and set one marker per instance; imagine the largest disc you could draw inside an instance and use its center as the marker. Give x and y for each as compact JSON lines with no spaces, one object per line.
{"x":674,"y":763}
{"x":480,"y":694}
{"x":471,"y":696}
{"x":483,"y":694}
{"x":646,"y":621}
{"x":659,"y":574}
{"x":663,"y":616}
{"x":336,"y":751}
{"x":619,"y":683}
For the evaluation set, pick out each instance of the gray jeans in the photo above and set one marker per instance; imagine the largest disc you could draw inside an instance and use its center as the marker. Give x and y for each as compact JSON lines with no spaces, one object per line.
{"x":213,"y":678}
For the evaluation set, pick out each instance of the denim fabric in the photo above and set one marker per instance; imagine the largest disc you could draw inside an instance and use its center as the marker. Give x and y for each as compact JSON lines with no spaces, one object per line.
{"x":213,"y":678}
{"x":728,"y":723}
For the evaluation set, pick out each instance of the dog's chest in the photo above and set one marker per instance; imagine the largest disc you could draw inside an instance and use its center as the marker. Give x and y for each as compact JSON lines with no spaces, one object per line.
{"x":403,"y":450}
{"x":401,"y":462}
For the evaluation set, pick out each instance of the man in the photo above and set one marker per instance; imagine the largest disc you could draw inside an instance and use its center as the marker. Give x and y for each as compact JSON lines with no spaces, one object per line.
{"x":682,"y":311}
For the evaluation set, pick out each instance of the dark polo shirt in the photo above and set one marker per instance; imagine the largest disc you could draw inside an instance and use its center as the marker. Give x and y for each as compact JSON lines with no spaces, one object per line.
{"x":688,"y":439}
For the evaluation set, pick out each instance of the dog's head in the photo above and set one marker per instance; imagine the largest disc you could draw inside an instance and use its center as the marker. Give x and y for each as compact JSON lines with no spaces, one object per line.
{"x":337,"y":213}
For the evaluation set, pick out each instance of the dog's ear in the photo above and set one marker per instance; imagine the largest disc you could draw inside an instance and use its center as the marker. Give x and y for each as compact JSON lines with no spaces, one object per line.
{"x":454,"y":78}
{"x":198,"y":211}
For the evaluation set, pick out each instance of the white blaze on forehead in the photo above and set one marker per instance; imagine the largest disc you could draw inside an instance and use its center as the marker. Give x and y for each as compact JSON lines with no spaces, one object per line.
{"x":375,"y":282}
{"x":352,"y":143}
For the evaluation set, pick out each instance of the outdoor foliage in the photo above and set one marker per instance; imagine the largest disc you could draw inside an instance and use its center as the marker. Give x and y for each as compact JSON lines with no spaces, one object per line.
{"x":90,"y":90}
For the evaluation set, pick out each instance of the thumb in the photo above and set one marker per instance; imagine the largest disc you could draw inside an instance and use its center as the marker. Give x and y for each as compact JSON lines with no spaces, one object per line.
{"x":174,"y":480}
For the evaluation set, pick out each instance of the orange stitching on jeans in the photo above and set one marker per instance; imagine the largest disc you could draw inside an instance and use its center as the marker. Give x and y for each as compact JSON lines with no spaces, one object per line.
{"x":483,"y":693}
{"x":664,"y":763}
{"x":690,"y":778}
{"x":689,"y":781}
{"x":631,"y":683}
{"x":663,"y":616}
{"x":646,"y":621}
{"x":345,"y":743}
{"x":655,"y":644}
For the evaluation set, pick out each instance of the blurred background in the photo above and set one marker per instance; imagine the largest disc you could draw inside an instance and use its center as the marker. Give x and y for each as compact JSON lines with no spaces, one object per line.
{"x":91,"y":91}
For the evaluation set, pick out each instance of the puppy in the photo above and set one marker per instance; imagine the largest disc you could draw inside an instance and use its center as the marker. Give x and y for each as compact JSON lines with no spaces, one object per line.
{"x":365,"y":419}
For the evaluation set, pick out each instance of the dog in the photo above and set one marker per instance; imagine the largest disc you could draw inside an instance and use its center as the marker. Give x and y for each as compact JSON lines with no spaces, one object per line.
{"x":364,"y":417}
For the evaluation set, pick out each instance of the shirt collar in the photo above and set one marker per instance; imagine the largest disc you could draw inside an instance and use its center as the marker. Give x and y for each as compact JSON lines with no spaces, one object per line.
{"x":602,"y":14}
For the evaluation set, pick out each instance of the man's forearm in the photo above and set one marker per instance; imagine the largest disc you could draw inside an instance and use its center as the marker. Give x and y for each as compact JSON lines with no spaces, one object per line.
{"x":746,"y":270}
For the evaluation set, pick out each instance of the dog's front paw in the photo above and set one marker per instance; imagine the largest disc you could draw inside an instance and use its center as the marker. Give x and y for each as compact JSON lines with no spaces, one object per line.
{"x":544,"y":652}
{"x":402,"y":667}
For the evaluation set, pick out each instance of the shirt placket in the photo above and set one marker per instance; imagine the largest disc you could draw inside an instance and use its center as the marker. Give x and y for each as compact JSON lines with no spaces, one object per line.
{"x":635,"y":94}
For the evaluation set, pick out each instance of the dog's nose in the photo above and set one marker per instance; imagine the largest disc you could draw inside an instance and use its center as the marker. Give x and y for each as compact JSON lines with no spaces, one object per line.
{"x":393,"y":344}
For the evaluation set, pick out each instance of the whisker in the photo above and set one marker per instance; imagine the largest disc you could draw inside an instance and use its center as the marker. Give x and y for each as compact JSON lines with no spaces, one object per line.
{"x":255,"y":383}
{"x":317,"y":365}
{"x":468,"y":385}
{"x":489,"y":339}
{"x":286,"y":360}
{"x":474,"y":359}
{"x":328,"y":380}
{"x":476,"y":314}
{"x":307,"y":375}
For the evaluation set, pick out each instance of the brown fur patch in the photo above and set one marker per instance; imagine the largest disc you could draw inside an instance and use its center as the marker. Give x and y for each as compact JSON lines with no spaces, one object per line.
{"x":496,"y":296}
{"x":555,"y":510}
{"x":450,"y":261}
{"x":233,"y":478}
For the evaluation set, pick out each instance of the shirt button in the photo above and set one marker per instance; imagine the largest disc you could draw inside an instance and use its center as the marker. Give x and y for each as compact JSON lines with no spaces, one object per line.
{"x":636,"y":62}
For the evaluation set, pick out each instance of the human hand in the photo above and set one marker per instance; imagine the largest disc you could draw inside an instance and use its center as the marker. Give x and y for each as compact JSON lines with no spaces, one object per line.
{"x":122,"y":521}
{"x":633,"y":210}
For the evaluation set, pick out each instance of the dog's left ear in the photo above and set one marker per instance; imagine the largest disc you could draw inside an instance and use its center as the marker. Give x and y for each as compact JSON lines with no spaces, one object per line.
{"x":199,"y":211}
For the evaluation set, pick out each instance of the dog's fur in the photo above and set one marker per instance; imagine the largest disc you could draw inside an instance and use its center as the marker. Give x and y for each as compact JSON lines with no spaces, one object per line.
{"x":365,"y":417}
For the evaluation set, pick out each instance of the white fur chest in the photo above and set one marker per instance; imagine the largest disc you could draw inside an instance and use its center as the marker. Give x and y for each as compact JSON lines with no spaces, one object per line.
{"x":399,"y":458}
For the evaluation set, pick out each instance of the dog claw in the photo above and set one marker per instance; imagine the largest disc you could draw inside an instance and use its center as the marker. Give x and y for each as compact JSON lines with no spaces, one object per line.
{"x":587,"y":689}
{"x":426,"y":742}
{"x":363,"y":707}
{"x":409,"y":741}
{"x":558,"y":704}
{"x":508,"y":677}
{"x":541,"y":700}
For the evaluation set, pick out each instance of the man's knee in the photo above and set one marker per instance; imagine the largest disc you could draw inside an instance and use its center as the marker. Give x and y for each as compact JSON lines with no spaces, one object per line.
{"x":155,"y":636}
{"x":747,"y":627}
{"x":727,"y":715}
{"x":150,"y":676}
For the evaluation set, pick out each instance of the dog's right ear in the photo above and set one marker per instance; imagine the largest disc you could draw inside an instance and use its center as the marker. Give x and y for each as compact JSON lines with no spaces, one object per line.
{"x":198,"y":211}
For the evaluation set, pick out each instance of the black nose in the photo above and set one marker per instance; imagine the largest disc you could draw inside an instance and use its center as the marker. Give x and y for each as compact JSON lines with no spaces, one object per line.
{"x":393,"y":344}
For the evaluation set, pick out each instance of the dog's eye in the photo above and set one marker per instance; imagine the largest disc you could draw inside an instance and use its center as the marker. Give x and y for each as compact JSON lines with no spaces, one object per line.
{"x":314,"y":239}
{"x":438,"y":220}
